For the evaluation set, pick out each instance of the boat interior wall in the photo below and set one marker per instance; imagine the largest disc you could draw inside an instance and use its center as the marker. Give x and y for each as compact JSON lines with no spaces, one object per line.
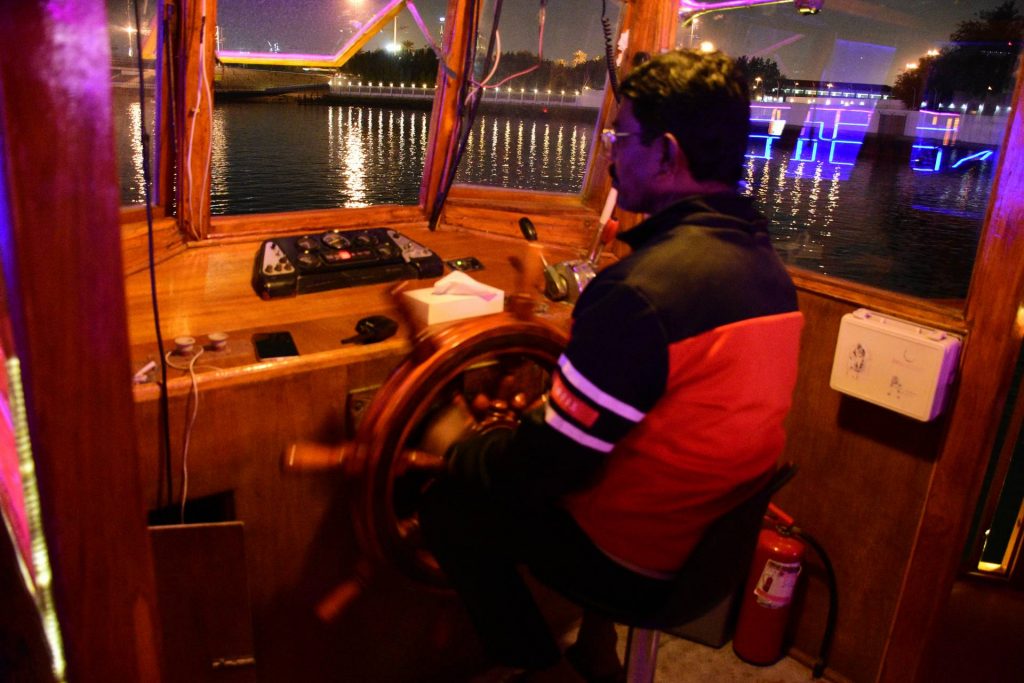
{"x":870,"y":470}
{"x":993,"y":314}
{"x":979,"y":635}
{"x":891,"y":499}
{"x":205,"y":614}
{"x":68,"y":316}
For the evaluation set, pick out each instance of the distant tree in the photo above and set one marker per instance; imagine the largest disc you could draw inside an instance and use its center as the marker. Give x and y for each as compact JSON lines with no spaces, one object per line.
{"x":405,"y":66}
{"x":911,"y":84}
{"x":765,"y":68}
{"x":420,"y":66}
{"x":981,"y":60}
{"x":579,"y":57}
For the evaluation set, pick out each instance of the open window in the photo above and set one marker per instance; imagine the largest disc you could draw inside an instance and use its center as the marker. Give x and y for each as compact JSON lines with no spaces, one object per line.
{"x":542,"y":94}
{"x":131,"y":113}
{"x":322,"y":105}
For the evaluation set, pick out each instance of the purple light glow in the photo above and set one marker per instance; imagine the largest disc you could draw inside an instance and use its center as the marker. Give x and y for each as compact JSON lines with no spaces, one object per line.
{"x":694,"y":6}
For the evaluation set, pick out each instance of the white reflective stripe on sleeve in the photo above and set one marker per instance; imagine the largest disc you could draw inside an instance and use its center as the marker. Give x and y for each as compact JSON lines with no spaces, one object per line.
{"x":588,"y":389}
{"x":556,"y":422}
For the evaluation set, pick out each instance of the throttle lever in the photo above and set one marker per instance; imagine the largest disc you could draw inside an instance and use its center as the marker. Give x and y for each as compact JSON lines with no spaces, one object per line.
{"x":555,"y":286}
{"x":527,"y":228}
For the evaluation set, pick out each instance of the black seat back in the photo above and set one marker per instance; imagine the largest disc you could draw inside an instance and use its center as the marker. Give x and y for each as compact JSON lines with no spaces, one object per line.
{"x":716,"y":568}
{"x":718,"y":565}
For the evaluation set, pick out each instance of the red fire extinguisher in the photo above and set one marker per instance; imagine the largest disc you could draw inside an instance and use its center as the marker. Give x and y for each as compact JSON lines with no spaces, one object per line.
{"x":764,"y":611}
{"x":766,"y":603}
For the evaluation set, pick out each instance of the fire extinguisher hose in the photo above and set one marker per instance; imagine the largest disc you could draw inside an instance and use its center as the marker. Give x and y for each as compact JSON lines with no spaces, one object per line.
{"x":818,"y":670}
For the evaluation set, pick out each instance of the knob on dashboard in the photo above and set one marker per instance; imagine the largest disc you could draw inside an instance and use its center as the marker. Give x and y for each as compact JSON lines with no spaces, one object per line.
{"x":307,"y":243}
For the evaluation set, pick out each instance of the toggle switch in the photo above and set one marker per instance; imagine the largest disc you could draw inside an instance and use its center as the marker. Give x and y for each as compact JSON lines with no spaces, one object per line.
{"x":183,"y":346}
{"x":218,"y":341}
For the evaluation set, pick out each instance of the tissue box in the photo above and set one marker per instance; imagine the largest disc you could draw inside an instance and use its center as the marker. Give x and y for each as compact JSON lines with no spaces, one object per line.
{"x":430,"y":308}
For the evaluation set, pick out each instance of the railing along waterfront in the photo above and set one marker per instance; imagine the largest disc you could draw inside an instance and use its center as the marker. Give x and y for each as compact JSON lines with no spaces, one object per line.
{"x":585,"y":98}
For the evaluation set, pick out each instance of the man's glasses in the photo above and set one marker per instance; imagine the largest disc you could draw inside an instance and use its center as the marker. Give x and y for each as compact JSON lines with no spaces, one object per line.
{"x":610,"y":136}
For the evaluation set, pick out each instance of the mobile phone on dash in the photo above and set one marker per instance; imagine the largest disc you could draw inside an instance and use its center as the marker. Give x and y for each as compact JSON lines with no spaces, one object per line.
{"x":465,"y":264}
{"x":274,"y":345}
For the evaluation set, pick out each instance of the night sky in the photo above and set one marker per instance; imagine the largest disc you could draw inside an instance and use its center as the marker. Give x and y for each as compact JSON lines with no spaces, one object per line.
{"x":850,"y":40}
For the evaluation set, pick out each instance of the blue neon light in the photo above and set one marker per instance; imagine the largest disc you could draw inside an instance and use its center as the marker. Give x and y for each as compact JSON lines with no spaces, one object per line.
{"x":948,"y":212}
{"x":977,"y":156}
{"x":926,"y":149}
{"x":850,"y":157}
{"x":798,"y":154}
{"x":767,"y":147}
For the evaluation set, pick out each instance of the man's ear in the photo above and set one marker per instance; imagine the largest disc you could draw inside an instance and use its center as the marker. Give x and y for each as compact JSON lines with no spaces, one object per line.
{"x":672,"y":154}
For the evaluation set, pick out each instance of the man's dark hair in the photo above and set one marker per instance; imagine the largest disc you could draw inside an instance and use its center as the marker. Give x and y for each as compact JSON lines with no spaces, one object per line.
{"x":702,"y":99}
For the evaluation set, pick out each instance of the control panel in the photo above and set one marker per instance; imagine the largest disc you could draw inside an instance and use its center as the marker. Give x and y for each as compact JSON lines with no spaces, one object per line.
{"x":286,"y":266}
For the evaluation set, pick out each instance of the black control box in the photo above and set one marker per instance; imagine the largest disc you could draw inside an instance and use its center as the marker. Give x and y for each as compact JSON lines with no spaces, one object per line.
{"x":286,"y":266}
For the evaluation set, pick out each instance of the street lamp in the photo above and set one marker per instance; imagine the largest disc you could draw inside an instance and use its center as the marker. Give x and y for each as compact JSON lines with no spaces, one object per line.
{"x":394,"y":46}
{"x":130,"y":30}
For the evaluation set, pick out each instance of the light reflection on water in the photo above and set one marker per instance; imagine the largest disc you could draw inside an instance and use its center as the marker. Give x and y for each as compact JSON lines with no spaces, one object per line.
{"x":881,"y":224}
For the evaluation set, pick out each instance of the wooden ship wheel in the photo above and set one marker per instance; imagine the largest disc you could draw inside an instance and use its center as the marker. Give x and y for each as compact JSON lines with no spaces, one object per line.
{"x":481,"y":373}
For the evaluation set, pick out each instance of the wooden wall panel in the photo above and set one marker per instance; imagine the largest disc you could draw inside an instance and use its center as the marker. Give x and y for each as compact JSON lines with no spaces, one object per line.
{"x":60,"y":243}
{"x":862,"y":481}
{"x":204,"y":602}
{"x":300,"y":544}
{"x":571,"y":225}
{"x":994,"y":315}
{"x":167,"y":242}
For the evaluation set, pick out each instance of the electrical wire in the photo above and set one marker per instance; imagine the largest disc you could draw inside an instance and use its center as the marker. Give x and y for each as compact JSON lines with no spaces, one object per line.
{"x":540,"y":52}
{"x":147,"y":194}
{"x":189,"y":423}
{"x":466,"y":115}
{"x":470,"y":102}
{"x":200,"y":92}
{"x":609,"y":51}
{"x":168,"y":68}
{"x":409,"y":5}
{"x":494,"y":67}
{"x":818,"y":669}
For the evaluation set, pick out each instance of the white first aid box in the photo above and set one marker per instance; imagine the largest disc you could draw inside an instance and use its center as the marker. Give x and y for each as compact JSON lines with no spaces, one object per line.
{"x":895,"y":364}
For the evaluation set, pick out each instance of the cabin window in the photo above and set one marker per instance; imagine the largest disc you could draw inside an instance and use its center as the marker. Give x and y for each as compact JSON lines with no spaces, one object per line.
{"x":876,"y":131}
{"x":321,"y":104}
{"x":997,"y":547}
{"x":534,"y":128}
{"x":124,"y":81}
